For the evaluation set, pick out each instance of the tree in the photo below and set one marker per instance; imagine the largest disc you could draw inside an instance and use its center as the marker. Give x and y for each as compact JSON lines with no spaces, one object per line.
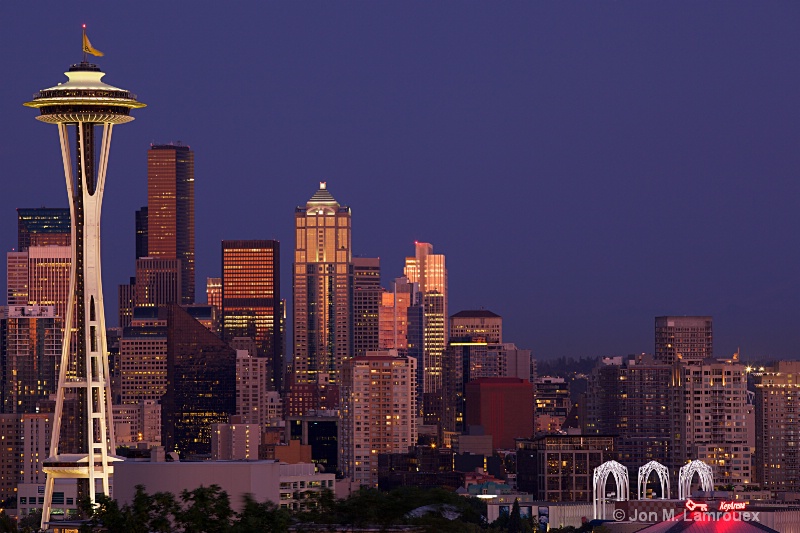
{"x":261,"y":518}
{"x":206,"y":510}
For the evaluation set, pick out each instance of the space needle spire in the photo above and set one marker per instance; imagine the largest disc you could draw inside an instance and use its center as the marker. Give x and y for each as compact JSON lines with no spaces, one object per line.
{"x":82,"y":108}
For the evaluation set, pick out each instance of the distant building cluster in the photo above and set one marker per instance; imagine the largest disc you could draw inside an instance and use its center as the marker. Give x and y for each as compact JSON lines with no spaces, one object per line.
{"x":379,"y":385}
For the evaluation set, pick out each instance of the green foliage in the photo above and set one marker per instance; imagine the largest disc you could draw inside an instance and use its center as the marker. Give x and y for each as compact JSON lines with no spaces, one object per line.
{"x":207,"y":510}
{"x":7,"y":524}
{"x":31,"y":523}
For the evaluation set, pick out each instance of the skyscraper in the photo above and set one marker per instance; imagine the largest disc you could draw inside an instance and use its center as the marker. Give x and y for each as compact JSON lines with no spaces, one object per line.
{"x":251,"y":298}
{"x":429,"y":272}
{"x":31,"y":339}
{"x":141,"y":232}
{"x":42,"y":226}
{"x":683,"y":338}
{"x":393,"y":315}
{"x":477,"y":323}
{"x":323,"y":289}
{"x":201,"y":390}
{"x":40,"y":276}
{"x":170,"y":210}
{"x":777,"y":458}
{"x":367,"y":293}
{"x":82,"y":103}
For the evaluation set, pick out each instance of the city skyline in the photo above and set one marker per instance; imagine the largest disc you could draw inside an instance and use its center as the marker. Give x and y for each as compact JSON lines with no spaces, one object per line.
{"x":650,"y":176}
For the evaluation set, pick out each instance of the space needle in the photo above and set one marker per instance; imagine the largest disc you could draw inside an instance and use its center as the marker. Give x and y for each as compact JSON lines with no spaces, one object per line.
{"x":85,"y":110}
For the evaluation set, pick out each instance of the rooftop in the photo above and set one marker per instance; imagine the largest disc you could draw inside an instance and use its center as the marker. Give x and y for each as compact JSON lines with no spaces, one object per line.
{"x":477,"y":313}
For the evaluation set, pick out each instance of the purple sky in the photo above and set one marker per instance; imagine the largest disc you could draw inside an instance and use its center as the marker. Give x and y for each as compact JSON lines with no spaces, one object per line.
{"x":585,"y":166}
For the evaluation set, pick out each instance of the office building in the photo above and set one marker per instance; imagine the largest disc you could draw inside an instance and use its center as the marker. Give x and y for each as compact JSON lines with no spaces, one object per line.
{"x":479,"y":323}
{"x":323,"y":290}
{"x":683,"y":338}
{"x":378,"y":412}
{"x":777,"y":400}
{"x":126,"y":297}
{"x":503,"y":407}
{"x":251,"y":299}
{"x":158,"y":281}
{"x":393,"y":315}
{"x":559,"y":468}
{"x":367,"y":293}
{"x":170,"y":211}
{"x":468,"y":359}
{"x":201,"y":390}
{"x":40,"y":276}
{"x":321,"y":433}
{"x":214,"y":292}
{"x":141,"y":233}
{"x":237,"y":441}
{"x":430,"y":324}
{"x":42,"y":226}
{"x":552,"y":404}
{"x":143,"y":357}
{"x":31,"y":338}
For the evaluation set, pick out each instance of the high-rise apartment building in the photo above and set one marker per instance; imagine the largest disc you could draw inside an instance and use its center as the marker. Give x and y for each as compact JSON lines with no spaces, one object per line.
{"x":428,"y":271}
{"x":631,"y":398}
{"x":479,"y":323}
{"x":367,"y":293}
{"x":10,"y":454}
{"x":378,"y":412}
{"x":711,"y":416}
{"x":30,"y":355}
{"x":252,"y":376}
{"x":683,"y":338}
{"x":251,"y":299}
{"x":777,"y":400}
{"x":170,"y":211}
{"x":323,"y":289}
{"x":42,"y":226}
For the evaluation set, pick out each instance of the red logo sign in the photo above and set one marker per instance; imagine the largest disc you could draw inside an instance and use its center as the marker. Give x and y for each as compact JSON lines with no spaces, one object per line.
{"x":732,"y":506}
{"x":694,"y":506}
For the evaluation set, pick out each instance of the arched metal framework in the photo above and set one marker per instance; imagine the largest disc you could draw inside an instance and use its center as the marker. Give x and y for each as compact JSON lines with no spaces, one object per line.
{"x":686,"y":474}
{"x":663,"y":477}
{"x":600,"y":477}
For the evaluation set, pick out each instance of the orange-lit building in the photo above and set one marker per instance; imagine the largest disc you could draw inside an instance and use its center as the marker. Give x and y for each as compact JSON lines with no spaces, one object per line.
{"x":251,"y":301}
{"x":170,"y":211}
{"x":323,"y":290}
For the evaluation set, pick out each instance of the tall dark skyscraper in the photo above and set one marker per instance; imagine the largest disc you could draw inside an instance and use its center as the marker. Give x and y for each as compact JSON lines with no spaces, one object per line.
{"x":251,"y":298}
{"x":367,"y":293}
{"x":141,"y":232}
{"x":201,"y":390}
{"x":170,"y":210}
{"x":42,"y":226}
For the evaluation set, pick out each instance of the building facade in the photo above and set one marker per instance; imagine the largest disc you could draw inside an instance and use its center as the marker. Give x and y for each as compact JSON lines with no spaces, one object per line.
{"x":251,"y":299}
{"x":503,"y":407}
{"x":480,"y":323}
{"x":43,"y":226}
{"x":170,"y":211}
{"x":323,"y":290}
{"x":367,"y":294}
{"x":683,"y":338}
{"x":378,"y":405}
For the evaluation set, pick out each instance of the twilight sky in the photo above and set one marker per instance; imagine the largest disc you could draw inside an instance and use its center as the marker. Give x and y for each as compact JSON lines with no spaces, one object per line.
{"x":585,"y":166}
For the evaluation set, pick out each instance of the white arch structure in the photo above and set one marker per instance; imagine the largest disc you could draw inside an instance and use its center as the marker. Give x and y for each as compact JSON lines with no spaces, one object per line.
{"x":600,"y":477}
{"x":663,"y":477}
{"x":686,"y":474}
